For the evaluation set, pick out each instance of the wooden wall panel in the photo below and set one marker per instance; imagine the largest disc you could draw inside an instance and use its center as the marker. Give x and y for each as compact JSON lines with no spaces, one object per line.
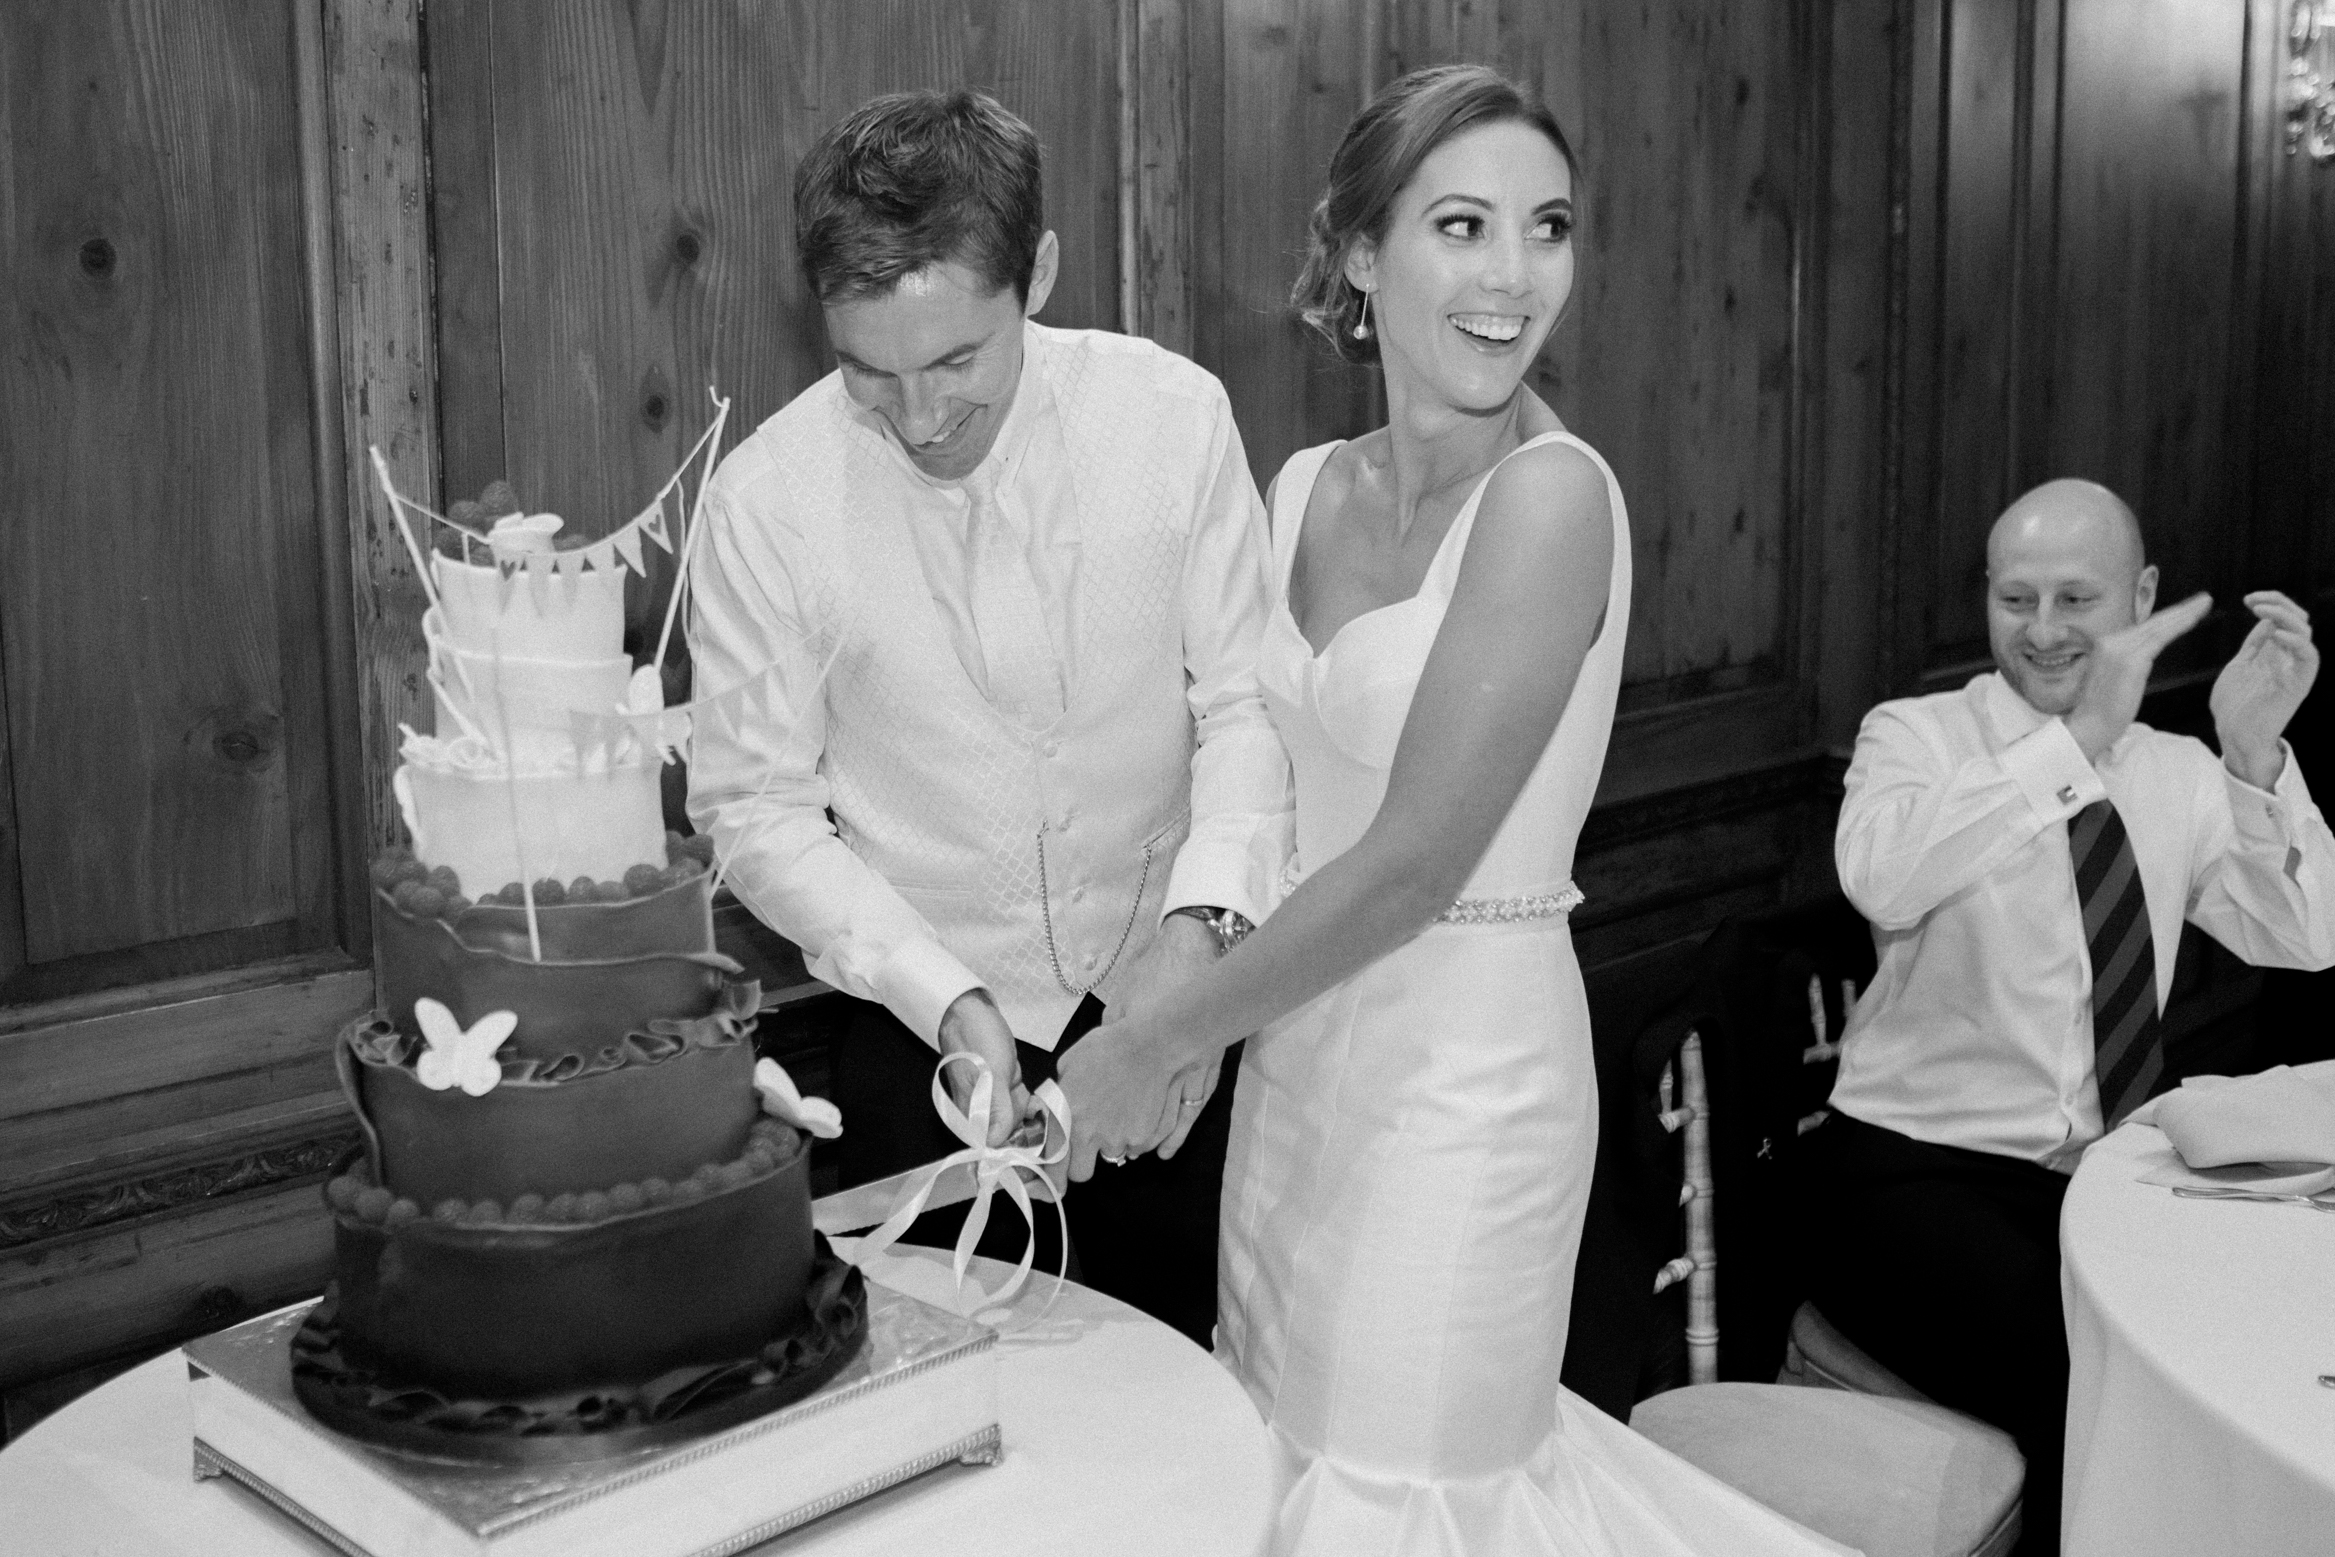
{"x":2290,"y":453}
{"x":2148,"y":332}
{"x":166,"y":709}
{"x":1684,"y":373}
{"x":1856,"y":354}
{"x":1988,"y":112}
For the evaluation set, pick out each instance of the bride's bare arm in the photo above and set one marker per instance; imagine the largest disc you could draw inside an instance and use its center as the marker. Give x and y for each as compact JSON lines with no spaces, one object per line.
{"x":1527,"y":605}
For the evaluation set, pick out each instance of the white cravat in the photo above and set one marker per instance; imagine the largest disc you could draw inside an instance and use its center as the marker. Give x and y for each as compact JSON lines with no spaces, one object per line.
{"x":1009,"y":614}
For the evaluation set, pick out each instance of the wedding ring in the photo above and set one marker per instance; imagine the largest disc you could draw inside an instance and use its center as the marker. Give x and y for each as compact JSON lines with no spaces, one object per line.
{"x":1191,"y":1103}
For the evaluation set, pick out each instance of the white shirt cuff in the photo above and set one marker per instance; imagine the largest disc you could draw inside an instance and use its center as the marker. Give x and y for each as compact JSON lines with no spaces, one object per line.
{"x":2053,"y":773}
{"x":1212,"y":875}
{"x":2270,"y":816}
{"x":920,"y":981}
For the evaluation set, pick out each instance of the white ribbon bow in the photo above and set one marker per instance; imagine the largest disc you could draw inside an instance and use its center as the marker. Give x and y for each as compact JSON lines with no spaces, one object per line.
{"x":994,"y":1167}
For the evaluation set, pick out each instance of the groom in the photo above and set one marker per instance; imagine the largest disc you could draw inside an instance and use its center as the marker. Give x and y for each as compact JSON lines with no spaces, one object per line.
{"x":1038,"y":780}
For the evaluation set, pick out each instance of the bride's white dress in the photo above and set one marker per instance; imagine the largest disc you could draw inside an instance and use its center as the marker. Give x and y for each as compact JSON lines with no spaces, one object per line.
{"x":1411,"y":1155}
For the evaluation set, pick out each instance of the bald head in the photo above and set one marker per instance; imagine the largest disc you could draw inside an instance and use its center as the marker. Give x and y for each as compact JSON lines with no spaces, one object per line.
{"x":2067,"y":517}
{"x":2064,"y":567}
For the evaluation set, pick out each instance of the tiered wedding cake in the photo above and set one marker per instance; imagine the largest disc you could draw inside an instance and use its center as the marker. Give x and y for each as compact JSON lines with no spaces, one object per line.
{"x":572,"y":1229}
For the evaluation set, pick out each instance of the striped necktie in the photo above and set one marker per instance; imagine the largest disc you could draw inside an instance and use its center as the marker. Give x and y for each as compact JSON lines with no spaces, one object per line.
{"x":2129,"y":1052}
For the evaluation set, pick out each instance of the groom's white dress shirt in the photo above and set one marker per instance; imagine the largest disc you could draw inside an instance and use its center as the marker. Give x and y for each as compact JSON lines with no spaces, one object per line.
{"x":914,"y":834}
{"x":1953,"y":841}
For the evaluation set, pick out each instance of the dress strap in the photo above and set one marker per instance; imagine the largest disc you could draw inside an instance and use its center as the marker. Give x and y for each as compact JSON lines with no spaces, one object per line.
{"x":1292,"y":491}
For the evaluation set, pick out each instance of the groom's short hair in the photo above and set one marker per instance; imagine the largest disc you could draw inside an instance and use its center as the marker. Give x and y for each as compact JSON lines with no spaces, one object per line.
{"x":914,"y":179}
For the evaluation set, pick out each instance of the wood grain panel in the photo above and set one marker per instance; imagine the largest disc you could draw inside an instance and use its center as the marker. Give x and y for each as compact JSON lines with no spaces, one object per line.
{"x":2290,"y":455}
{"x":1842,"y":574}
{"x":70,"y":1064}
{"x":466,"y":238}
{"x":2151,"y":116}
{"x":1165,"y":190}
{"x":166,"y":705}
{"x":1986,"y":109}
{"x":1684,"y":373}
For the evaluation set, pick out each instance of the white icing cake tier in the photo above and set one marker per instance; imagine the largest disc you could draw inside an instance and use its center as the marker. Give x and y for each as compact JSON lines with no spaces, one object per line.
{"x":594,"y":819}
{"x":505,"y":791}
{"x":479,"y":695}
{"x":578,"y":617}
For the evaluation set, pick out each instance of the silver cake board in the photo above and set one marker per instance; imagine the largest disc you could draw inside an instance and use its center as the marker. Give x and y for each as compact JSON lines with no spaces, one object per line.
{"x":922,"y":1394}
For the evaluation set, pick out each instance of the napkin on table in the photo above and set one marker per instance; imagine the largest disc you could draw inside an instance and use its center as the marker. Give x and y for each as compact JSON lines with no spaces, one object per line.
{"x":2272,"y":1133}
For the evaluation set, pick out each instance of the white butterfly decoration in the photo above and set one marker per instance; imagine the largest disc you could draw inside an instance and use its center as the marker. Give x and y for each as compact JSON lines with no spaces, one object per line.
{"x":781,"y":1101}
{"x":458,"y":1058}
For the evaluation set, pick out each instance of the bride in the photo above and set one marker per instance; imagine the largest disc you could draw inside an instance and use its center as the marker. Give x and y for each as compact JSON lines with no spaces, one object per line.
{"x":1415,"y":1121}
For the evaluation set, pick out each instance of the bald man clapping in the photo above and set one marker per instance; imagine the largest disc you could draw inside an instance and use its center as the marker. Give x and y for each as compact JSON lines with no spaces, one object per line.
{"x":2027,"y":853}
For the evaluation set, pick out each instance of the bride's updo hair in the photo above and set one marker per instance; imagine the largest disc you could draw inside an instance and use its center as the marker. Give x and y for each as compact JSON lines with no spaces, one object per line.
{"x":1379,"y":153}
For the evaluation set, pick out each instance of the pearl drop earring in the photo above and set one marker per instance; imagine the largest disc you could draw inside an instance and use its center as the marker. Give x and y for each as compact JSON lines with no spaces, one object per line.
{"x":1362,"y":322}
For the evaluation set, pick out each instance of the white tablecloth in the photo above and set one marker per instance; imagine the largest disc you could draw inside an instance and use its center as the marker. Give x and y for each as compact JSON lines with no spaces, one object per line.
{"x":2198,"y":1332}
{"x":1120,"y":1436}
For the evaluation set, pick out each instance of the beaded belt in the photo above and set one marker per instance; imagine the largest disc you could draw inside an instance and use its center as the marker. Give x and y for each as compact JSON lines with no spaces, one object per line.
{"x":1510,"y":910}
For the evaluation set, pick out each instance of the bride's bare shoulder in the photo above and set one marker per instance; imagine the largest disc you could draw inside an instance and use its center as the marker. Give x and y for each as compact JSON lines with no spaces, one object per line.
{"x":1557,"y":482}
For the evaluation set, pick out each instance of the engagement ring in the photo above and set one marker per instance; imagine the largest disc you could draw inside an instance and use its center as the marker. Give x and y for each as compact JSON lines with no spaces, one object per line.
{"x":1116,"y":1162}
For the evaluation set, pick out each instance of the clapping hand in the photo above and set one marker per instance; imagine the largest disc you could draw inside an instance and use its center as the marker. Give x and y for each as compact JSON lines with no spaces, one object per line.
{"x":1123,"y":1098}
{"x":2119,"y":673}
{"x":2260,"y":688}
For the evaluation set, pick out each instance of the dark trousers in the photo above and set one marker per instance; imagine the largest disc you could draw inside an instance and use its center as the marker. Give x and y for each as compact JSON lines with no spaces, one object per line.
{"x":1943,"y":1264}
{"x":1144,"y":1233}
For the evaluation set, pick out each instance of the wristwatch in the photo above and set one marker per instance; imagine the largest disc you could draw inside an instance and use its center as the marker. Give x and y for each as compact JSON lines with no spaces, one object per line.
{"x":1229,"y":926}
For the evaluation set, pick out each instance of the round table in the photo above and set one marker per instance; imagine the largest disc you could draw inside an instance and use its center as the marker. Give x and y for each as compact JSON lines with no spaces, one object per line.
{"x":1120,"y":1436}
{"x":2198,"y":1332}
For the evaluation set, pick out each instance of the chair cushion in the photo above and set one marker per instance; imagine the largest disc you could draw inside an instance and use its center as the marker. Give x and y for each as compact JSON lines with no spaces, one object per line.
{"x":1819,"y":1355}
{"x":1893,"y":1478}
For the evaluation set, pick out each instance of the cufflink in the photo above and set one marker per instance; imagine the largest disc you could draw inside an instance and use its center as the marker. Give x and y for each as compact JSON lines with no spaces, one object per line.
{"x":2067,"y":794}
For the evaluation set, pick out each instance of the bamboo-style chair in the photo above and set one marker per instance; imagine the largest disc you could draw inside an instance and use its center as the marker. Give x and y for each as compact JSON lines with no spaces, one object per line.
{"x":1863,"y":1457}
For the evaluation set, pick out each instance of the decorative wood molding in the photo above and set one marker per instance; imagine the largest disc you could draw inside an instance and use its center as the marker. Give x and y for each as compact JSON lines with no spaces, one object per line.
{"x":172,"y":1191}
{"x":1778,"y":784}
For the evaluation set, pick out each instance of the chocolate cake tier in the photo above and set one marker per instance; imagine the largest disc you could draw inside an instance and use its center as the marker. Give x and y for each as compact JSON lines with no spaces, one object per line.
{"x":568,"y":1004}
{"x":633,"y":1283}
{"x":678,"y":918}
{"x":829,"y":1327}
{"x":659,"y":1105}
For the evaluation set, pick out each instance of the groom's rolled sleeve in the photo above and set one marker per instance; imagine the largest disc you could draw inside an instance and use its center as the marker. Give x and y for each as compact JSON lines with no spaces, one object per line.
{"x":1241,"y":798}
{"x":756,"y":789}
